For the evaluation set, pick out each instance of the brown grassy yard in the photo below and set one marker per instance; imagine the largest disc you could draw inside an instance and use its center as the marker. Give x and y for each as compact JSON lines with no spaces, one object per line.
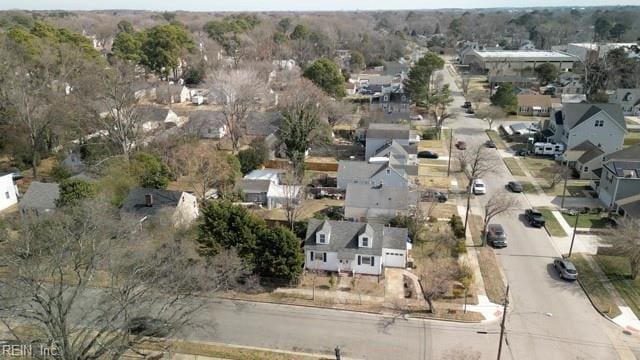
{"x":491,"y":274}
{"x":221,"y":351}
{"x":632,"y":138}
{"x":598,"y":294}
{"x":513,"y":166}
{"x":551,"y":224}
{"x":535,"y":165}
{"x":618,"y":270}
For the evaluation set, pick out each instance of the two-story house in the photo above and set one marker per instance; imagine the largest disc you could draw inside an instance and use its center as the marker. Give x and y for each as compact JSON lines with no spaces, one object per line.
{"x":629,"y":100}
{"x":601,"y":124}
{"x":370,"y":173}
{"x":354,"y":247}
{"x":379,"y":202}
{"x":619,"y":176}
{"x":381,"y":134}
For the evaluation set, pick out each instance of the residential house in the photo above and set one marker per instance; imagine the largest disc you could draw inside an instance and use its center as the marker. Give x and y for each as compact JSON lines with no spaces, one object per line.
{"x":588,"y":157}
{"x":380,"y":134}
{"x":629,"y":99}
{"x":406,"y":155}
{"x":8,"y":191}
{"x":40,"y":199}
{"x":515,"y":62}
{"x":350,"y":88}
{"x":153,"y":118}
{"x":73,"y":162}
{"x":601,"y":124}
{"x":620,"y":179}
{"x":265,"y":187}
{"x":263,"y":124}
{"x":378,"y":202}
{"x":145,"y":203}
{"x":392,"y":101}
{"x":534,"y":105}
{"x":371,"y":173}
{"x":207,"y":124}
{"x":172,"y":93}
{"x":629,"y":206}
{"x":569,"y":83}
{"x":354,"y":247}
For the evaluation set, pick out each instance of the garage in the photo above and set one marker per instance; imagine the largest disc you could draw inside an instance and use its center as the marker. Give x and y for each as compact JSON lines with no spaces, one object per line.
{"x":394,"y":258}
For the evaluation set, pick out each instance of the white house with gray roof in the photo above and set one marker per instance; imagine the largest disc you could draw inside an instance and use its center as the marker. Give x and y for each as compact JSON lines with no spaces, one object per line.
{"x":362,"y":172}
{"x":629,"y":100}
{"x":354,"y":247}
{"x":378,"y":135}
{"x":378,"y":202}
{"x":601,"y":124}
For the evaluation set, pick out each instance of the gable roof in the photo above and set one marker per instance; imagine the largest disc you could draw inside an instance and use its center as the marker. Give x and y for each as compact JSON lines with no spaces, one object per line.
{"x":153,"y":113}
{"x":379,"y":197}
{"x":351,"y":169}
{"x":584,"y":146}
{"x":531,"y":100}
{"x":574,"y":114}
{"x":263,"y":123}
{"x":206,"y":119}
{"x":40,"y":196}
{"x":254,"y":185}
{"x":630,"y":153}
{"x":343,"y":237}
{"x":395,"y":149}
{"x":590,"y":155}
{"x":162,"y":199}
{"x":388,"y":131}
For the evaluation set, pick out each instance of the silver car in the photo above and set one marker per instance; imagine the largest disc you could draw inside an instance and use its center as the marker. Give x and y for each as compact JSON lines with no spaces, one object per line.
{"x":565,"y":269}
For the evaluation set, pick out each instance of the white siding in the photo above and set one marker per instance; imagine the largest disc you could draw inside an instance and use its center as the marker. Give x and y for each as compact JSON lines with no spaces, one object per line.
{"x":331,"y":264}
{"x":8,"y":194}
{"x":373,"y":145}
{"x":186,"y":210}
{"x":376,"y":269}
{"x":391,"y":259}
{"x":610,"y":136}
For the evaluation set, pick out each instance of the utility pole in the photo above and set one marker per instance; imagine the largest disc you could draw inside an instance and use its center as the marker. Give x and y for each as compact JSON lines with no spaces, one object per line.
{"x":504,"y":317}
{"x":564,"y":189}
{"x":573,"y":237}
{"x":450,"y":148}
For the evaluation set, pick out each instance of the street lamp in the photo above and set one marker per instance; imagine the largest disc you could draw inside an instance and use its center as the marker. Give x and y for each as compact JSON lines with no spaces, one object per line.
{"x":573,"y":237}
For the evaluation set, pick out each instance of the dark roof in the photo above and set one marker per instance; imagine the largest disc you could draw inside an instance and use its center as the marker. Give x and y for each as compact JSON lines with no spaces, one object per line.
{"x":631,"y":208}
{"x":630,"y":153}
{"x":40,"y":196}
{"x":598,"y":172}
{"x":624,"y":168}
{"x":388,"y":131}
{"x":162,"y":199}
{"x":559,"y":119}
{"x":547,"y":133}
{"x":590,"y":155}
{"x":379,"y":197}
{"x":206,"y":118}
{"x":343,"y":237}
{"x":254,"y":185}
{"x":584,"y":146}
{"x":152,"y":113}
{"x":574,"y":114}
{"x":263,"y":123}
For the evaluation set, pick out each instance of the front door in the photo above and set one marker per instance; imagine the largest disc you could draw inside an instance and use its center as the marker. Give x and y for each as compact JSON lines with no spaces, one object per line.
{"x":345,"y":265}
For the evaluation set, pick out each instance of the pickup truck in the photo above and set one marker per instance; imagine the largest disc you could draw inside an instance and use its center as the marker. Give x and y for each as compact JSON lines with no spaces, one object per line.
{"x":534,"y":218}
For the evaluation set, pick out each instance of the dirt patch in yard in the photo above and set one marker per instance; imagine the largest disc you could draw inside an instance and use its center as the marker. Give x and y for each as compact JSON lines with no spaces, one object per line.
{"x":442,"y":211}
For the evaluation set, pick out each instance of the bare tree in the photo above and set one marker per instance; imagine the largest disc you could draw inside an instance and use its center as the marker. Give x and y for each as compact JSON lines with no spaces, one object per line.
{"x":490,"y":114}
{"x":626,"y":238}
{"x":240,"y":93}
{"x":203,"y":167}
{"x":293,"y":194}
{"x":474,"y":162}
{"x":556,"y":174}
{"x":497,"y":204}
{"x":122,"y":123}
{"x":84,"y":278}
{"x":476,"y":97}
{"x":465,"y":80}
{"x":436,"y":278}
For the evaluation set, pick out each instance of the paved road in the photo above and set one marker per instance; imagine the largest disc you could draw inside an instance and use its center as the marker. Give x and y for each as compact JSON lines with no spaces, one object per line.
{"x":548,"y":318}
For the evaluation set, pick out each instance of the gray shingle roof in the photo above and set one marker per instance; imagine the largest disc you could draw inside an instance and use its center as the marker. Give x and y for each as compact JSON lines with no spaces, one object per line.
{"x":162,"y":199}
{"x":254,"y":185}
{"x":630,"y":153}
{"x":343,"y":237}
{"x":590,"y":155}
{"x":350,"y":169}
{"x":263,"y":123}
{"x":624,"y":168}
{"x":379,"y":197}
{"x":388,"y":131}
{"x":584,"y":146}
{"x":40,"y":196}
{"x":205,"y":118}
{"x":152,"y":113}
{"x":576,"y":114}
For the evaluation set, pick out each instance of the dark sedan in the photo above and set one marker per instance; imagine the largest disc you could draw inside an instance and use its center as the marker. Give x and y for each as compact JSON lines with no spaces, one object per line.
{"x":427,"y":155}
{"x":515,"y":186}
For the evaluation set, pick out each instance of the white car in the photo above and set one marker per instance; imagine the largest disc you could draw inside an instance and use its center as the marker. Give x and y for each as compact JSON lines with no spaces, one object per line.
{"x":415,"y":117}
{"x":477,"y":187}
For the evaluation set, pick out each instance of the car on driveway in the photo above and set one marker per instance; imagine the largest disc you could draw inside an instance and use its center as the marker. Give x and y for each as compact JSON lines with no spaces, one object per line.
{"x":496,"y":236}
{"x":534,"y":218}
{"x":514,"y":186}
{"x":467,"y":104}
{"x":490,"y":144}
{"x":434,"y":195}
{"x":522,"y":152}
{"x":477,"y":187}
{"x":470,"y":110}
{"x":415,"y":117}
{"x":427,"y":155}
{"x":461,"y":145}
{"x":565,"y":269}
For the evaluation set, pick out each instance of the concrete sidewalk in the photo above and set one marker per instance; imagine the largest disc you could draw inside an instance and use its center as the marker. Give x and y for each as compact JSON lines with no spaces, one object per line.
{"x":584,"y":243}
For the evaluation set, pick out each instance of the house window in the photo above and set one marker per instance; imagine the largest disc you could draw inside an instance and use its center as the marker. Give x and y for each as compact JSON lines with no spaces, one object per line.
{"x":6,"y":194}
{"x":366,"y":260}
{"x":599,"y":123}
{"x":322,"y":238}
{"x":586,"y":169}
{"x":365,"y":242}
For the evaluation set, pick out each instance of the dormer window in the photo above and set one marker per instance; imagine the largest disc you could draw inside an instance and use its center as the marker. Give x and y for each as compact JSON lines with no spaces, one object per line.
{"x":322,"y":238}
{"x":365,"y":241}
{"x":323,"y":234}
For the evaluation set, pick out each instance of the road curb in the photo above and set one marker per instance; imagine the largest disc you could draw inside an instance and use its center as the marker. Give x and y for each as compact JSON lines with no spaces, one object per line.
{"x":594,"y":306}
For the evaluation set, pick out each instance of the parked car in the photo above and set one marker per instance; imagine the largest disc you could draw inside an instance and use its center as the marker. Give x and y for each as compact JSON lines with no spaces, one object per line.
{"x":515,"y":186}
{"x":467,"y":104}
{"x":415,"y":117}
{"x":461,"y":145}
{"x":470,"y":110}
{"x":534,"y":218}
{"x":148,"y":326}
{"x":565,"y":269}
{"x":522,"y":152}
{"x":434,"y":195}
{"x":490,"y":144}
{"x":496,"y":236}
{"x":427,"y":155}
{"x":477,"y":187}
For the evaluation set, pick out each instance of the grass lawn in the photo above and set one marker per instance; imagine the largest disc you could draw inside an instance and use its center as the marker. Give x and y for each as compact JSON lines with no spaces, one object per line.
{"x":598,"y":294}
{"x":491,"y":275}
{"x":574,"y":188}
{"x":528,"y":187}
{"x":222,"y":351}
{"x":618,"y":270}
{"x":587,"y":220}
{"x":632,"y":138}
{"x":552,"y":225}
{"x":475,"y":226}
{"x":433,"y":145}
{"x":536,"y":164}
{"x":513,"y":166}
{"x":493,"y":135}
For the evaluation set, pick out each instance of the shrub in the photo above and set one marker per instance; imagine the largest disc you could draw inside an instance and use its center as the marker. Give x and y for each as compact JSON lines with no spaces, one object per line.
{"x":59,"y":173}
{"x":430,"y":134}
{"x":460,"y":248}
{"x":457,"y":226}
{"x":332,"y":281}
